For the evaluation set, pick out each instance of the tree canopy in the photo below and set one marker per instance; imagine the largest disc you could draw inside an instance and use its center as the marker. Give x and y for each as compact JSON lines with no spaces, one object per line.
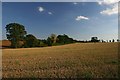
{"x":31,"y":41}
{"x":64,"y":39}
{"x":15,"y":33}
{"x":94,"y":39}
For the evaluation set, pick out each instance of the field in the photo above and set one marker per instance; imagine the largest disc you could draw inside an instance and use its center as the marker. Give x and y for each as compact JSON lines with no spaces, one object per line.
{"x":79,"y":60}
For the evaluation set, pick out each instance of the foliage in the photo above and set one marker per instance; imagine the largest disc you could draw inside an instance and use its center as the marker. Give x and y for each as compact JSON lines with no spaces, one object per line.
{"x":118,"y":40}
{"x":31,"y":41}
{"x":43,"y":43}
{"x":15,"y":33}
{"x":94,"y":39}
{"x":113,"y":40}
{"x":49,"y":41}
{"x":64,"y":39}
{"x":109,"y":40}
{"x":53,"y":38}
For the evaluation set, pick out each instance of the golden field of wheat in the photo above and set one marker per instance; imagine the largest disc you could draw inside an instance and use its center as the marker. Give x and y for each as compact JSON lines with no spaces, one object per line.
{"x":79,"y":60}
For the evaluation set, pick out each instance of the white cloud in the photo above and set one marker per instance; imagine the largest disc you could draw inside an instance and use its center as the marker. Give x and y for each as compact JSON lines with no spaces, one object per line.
{"x":107,"y":2}
{"x":75,"y":3}
{"x":110,"y":11}
{"x":112,"y":4}
{"x":41,"y":9}
{"x":78,"y":18}
{"x":50,"y":13}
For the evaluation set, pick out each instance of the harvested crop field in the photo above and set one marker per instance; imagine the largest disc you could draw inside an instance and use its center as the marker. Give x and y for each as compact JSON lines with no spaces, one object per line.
{"x":79,"y":60}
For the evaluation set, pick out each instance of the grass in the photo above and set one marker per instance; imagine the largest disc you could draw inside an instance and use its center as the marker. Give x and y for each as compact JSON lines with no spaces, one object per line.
{"x":79,"y":60}
{"x":17,"y":62}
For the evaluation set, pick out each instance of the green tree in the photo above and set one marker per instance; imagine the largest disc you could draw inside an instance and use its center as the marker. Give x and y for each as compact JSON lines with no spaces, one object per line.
{"x":49,"y":41}
{"x":43,"y":43}
{"x":64,"y":39}
{"x":15,"y":33}
{"x":31,"y":41}
{"x":118,"y":40}
{"x":53,"y":38}
{"x":109,"y":40}
{"x":113,"y":40}
{"x":94,"y":39}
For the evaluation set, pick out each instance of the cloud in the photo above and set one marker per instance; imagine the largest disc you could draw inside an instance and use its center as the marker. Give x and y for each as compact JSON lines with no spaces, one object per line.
{"x":110,"y":11}
{"x":75,"y":3}
{"x":113,"y":7}
{"x":50,"y":13}
{"x":41,"y":9}
{"x":107,"y":2}
{"x":78,"y":18}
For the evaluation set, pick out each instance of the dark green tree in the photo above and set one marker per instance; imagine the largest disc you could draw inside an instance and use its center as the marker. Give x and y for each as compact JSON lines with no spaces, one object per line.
{"x":43,"y":43}
{"x":15,"y":33}
{"x":113,"y":40}
{"x":94,"y":39}
{"x":102,"y":41}
{"x":64,"y":39}
{"x":31,"y":41}
{"x":49,"y":41}
{"x":109,"y":40}
{"x":118,"y":40}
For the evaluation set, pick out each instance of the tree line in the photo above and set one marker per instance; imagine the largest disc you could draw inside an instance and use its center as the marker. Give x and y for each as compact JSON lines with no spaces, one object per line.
{"x":19,"y":38}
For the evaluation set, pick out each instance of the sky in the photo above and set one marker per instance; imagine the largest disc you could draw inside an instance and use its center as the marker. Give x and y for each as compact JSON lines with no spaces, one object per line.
{"x":79,"y":20}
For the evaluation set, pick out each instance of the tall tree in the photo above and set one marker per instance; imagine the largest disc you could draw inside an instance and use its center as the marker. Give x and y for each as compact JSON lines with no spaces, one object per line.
{"x":53,"y":38}
{"x":49,"y":41}
{"x":15,"y":33}
{"x":113,"y":40}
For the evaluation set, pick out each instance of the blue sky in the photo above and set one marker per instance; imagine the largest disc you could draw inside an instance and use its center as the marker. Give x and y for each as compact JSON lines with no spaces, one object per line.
{"x":80,"y":20}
